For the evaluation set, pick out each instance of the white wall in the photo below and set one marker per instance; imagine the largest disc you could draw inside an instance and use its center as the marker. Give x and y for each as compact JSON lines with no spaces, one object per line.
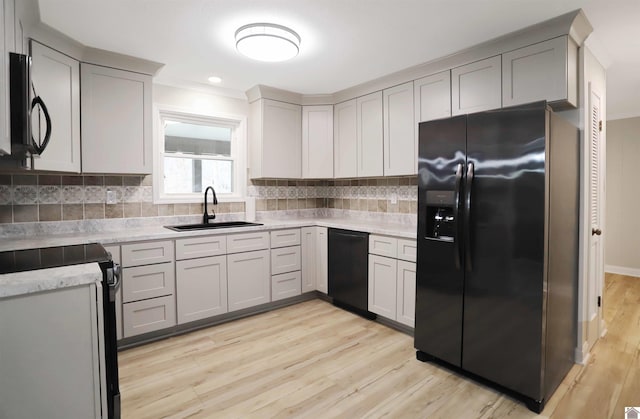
{"x":622,"y":245}
{"x":199,"y":102}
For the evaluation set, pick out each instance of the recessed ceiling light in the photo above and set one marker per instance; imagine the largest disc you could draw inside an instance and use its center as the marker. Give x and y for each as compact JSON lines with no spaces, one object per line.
{"x":267,"y":42}
{"x":214,"y":79}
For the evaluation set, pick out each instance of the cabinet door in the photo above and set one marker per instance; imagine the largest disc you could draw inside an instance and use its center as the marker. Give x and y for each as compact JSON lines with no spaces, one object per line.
{"x":249,"y":281}
{"x":406,"y":293}
{"x":345,"y":140}
{"x":281,"y":139}
{"x":370,"y":136}
{"x":543,"y":71}
{"x":477,"y":86}
{"x":322,"y":260}
{"x":317,"y":142}
{"x":201,"y":288}
{"x":382,"y":286}
{"x":433,"y":97}
{"x":7,"y":45}
{"x":400,"y":149}
{"x":56,"y":78}
{"x":116,"y":121}
{"x":308,"y":250}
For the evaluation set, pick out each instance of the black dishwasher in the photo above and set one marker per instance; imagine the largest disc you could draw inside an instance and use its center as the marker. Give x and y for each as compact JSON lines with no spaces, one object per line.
{"x":348,"y":270}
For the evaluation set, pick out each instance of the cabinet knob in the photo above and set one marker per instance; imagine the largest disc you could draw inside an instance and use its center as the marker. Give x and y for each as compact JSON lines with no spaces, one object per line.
{"x":596,"y":231}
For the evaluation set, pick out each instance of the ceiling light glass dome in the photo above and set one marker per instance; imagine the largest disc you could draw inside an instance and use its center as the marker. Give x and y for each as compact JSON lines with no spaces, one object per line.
{"x":267,"y":42}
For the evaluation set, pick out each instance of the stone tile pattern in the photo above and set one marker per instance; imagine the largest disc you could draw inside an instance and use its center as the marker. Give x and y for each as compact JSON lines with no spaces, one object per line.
{"x":37,"y":197}
{"x":33,"y":198}
{"x":383,"y":195}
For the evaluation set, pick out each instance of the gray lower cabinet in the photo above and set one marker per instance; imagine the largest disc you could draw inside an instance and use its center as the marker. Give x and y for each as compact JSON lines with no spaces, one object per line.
{"x":148,"y":287}
{"x":248,"y":279}
{"x":392,"y":278}
{"x":285,"y":285}
{"x":406,"y":293}
{"x":201,"y":288}
{"x":51,"y":350}
{"x":148,"y":315}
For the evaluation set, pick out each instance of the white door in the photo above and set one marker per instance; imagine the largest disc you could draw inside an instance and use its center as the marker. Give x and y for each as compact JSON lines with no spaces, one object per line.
{"x":596,"y":218}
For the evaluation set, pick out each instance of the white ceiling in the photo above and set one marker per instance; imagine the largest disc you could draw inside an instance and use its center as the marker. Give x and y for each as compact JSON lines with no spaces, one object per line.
{"x":344,"y":42}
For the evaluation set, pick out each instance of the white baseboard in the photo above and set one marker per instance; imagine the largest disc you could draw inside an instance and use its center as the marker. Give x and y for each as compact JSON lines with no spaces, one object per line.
{"x":581,"y":355}
{"x":622,"y":270}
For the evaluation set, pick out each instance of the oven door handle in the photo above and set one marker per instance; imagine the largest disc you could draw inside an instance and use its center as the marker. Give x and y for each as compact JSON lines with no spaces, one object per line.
{"x":114,"y":275}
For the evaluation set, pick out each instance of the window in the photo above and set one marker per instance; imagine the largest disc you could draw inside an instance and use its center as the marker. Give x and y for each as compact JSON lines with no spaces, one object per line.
{"x":196,"y":151}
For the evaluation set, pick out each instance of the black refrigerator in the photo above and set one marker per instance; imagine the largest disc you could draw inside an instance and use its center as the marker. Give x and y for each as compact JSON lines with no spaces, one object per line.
{"x":497,"y":263}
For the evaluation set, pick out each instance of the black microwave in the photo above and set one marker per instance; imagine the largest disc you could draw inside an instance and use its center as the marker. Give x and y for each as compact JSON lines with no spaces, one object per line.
{"x":22,"y":108}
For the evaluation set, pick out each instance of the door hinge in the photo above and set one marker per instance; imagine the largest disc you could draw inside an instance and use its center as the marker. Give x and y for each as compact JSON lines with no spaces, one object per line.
{"x":599,"y":300}
{"x":600,"y":125}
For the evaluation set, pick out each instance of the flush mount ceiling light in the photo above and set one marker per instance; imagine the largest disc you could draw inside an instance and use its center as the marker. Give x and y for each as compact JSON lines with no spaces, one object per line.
{"x":267,"y":42}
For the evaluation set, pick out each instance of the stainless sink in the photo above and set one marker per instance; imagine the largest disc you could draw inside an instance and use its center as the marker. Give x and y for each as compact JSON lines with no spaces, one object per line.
{"x":222,"y":224}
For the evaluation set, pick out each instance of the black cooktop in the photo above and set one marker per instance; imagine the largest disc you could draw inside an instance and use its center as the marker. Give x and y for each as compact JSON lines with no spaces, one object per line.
{"x":51,"y":257}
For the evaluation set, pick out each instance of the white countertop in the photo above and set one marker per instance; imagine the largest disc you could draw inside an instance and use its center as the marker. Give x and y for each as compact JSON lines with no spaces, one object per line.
{"x":29,"y":282}
{"x":48,"y":279}
{"x":19,"y":242}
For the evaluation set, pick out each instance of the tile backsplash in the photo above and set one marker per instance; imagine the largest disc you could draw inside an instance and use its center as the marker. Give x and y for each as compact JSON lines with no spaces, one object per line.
{"x":39,"y":197}
{"x":31,"y":198}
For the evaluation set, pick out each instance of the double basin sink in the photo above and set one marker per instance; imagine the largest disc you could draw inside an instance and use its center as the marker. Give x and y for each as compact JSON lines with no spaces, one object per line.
{"x":208,"y":226}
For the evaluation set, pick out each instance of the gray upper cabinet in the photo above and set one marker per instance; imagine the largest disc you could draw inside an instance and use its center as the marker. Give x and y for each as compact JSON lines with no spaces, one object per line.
{"x":432,"y":95}
{"x":400,"y":147}
{"x":275,"y":138}
{"x":476,"y":86}
{"x":317,"y":142}
{"x":543,"y":71}
{"x":369,"y":134}
{"x":345,"y":140}
{"x":7,"y":45}
{"x":116,"y":121}
{"x":56,"y":78}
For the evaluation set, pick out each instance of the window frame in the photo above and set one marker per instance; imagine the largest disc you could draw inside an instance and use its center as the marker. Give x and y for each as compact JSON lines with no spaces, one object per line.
{"x":238,"y":124}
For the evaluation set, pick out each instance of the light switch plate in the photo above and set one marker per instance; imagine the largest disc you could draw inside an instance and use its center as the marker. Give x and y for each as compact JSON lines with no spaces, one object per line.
{"x":111,"y":197}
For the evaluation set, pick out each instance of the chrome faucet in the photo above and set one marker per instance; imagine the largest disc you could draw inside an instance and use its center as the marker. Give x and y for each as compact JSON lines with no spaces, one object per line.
{"x":206,"y":217}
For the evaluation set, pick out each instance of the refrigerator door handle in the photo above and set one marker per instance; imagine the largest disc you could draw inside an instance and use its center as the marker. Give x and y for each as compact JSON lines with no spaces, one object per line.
{"x":467,"y":216}
{"x":456,"y":212}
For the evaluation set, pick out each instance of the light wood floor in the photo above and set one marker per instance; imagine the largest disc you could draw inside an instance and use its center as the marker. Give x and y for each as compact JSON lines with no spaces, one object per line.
{"x":314,"y":360}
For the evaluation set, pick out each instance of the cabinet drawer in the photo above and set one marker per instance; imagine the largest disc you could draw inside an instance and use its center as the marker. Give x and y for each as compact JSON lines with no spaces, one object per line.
{"x":198,"y":247}
{"x":407,"y":250}
{"x":284,"y":238}
{"x":383,"y":246}
{"x":142,"y":282}
{"x":147,"y":253}
{"x":285,"y":285}
{"x":149,"y":315}
{"x":285,"y":259}
{"x":247,"y":242}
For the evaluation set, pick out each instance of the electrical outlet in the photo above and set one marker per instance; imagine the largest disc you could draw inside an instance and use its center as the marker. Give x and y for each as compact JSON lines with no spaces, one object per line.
{"x":111,"y":197}
{"x":394,"y":198}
